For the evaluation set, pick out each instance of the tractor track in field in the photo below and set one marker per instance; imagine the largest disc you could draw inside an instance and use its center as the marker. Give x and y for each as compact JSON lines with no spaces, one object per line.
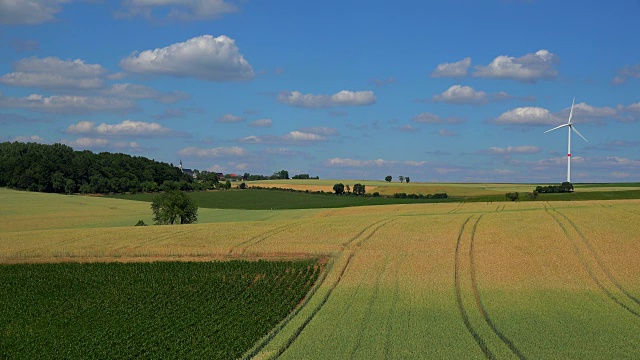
{"x":599,"y":261}
{"x":392,"y":309}
{"x":333,"y":286}
{"x":585,"y":263}
{"x":370,"y":304}
{"x":243,"y":245}
{"x":481,"y":308}
{"x":458,"y":289}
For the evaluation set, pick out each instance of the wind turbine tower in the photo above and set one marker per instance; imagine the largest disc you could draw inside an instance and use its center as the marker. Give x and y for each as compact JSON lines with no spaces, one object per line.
{"x":571,"y":127}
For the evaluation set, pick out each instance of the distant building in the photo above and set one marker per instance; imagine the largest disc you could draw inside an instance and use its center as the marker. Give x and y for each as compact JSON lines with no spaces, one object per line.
{"x":185,"y":171}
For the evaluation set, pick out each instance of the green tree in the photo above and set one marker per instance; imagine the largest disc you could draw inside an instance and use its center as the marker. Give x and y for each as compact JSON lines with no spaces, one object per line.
{"x":512,"y":196}
{"x":388,"y":178}
{"x":338,"y":188}
{"x":401,"y":178}
{"x":69,"y":186}
{"x":358,"y":189}
{"x":407,"y":179}
{"x":173,"y":207}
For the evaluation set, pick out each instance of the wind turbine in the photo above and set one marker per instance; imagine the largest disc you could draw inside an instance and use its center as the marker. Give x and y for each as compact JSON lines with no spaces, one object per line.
{"x":571,"y":127}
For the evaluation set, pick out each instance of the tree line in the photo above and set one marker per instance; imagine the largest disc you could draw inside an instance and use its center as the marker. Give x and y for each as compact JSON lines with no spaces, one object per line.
{"x":58,"y":168}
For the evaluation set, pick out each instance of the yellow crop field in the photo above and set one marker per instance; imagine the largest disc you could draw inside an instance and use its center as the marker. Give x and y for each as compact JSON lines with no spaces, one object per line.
{"x":537,"y":280}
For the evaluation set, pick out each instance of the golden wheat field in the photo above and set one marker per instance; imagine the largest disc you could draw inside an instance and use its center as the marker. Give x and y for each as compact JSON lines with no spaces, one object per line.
{"x":533,"y":280}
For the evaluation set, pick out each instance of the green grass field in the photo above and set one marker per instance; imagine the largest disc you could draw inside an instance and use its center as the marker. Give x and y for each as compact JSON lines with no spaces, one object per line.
{"x":535,"y":279}
{"x":213,"y":310}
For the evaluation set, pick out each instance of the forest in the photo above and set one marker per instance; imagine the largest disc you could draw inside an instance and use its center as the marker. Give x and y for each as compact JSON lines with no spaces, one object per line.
{"x":58,"y":168}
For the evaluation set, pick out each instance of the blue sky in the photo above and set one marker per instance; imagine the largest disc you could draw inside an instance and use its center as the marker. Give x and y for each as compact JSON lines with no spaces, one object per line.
{"x":456,"y":91}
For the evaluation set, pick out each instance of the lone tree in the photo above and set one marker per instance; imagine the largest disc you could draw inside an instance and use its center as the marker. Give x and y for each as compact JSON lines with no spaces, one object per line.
{"x":407,"y":179}
{"x":174,"y":207}
{"x":401,"y":178}
{"x":388,"y":178}
{"x":358,"y":189}
{"x":338,"y":188}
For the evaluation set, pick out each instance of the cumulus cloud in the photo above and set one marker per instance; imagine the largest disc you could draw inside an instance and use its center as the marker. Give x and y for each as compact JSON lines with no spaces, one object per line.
{"x":204,"y":57}
{"x":525,"y":149}
{"x":22,"y":12}
{"x":217,"y":152}
{"x":140,"y":92}
{"x":321,"y":130}
{"x":103,"y":144}
{"x":407,"y":128}
{"x":27,"y":139}
{"x":428,"y":118}
{"x":179,"y":9}
{"x":66,"y":104}
{"x":527,"y":116}
{"x":342,"y":98}
{"x":458,"y":94}
{"x":527,"y":68}
{"x":125,"y":128}
{"x":230,"y":118}
{"x":456,"y":69}
{"x":54,"y":73}
{"x":346,"y":162}
{"x":627,"y":72}
{"x":582,"y":113}
{"x":298,"y":137}
{"x":261,"y":123}
{"x":445,"y":132}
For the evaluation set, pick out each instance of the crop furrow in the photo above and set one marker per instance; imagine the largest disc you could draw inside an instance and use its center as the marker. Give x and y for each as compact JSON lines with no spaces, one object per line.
{"x":465,"y":317}
{"x":344,"y":245}
{"x":481,"y":307}
{"x":368,"y":311}
{"x":260,"y":237}
{"x":588,"y":268}
{"x":392,"y":309}
{"x":315,"y":311}
{"x":599,"y":261}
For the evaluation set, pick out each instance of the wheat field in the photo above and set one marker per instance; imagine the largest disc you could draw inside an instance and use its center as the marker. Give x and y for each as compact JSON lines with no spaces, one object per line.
{"x":443,"y":280}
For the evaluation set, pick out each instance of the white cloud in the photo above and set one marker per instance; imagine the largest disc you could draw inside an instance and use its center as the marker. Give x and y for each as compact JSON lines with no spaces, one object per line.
{"x":66,"y":104}
{"x":125,"y":128}
{"x":180,"y":9}
{"x":54,"y":73}
{"x":342,"y":98}
{"x":428,"y":118}
{"x":345,"y":162}
{"x":203,"y":57}
{"x":384,"y":82}
{"x":527,"y":116}
{"x":321,"y":130}
{"x":25,"y":139}
{"x":103,"y":144}
{"x":302,"y":136}
{"x":629,"y":71}
{"x":232,"y":151}
{"x":407,"y":128}
{"x":527,"y":68}
{"x":445,"y":132}
{"x":261,"y":123}
{"x":23,"y":12}
{"x":139,"y":92}
{"x":633,"y":107}
{"x":456,"y":69}
{"x":525,"y":149}
{"x":584,"y":112}
{"x":230,"y":118}
{"x":458,"y":94}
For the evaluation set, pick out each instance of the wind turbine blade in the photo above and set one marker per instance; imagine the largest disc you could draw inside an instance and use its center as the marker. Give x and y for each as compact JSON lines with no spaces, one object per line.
{"x":574,"y":129}
{"x":571,"y":112}
{"x":557,"y":127}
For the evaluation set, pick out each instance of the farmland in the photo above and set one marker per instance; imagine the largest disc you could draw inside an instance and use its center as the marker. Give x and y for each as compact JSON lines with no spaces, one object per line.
{"x":436,"y":280}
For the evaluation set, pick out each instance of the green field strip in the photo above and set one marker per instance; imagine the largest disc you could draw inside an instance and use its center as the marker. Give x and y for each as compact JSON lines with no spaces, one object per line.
{"x":508,"y":342}
{"x":388,"y":343}
{"x":599,"y":261}
{"x":589,"y":268}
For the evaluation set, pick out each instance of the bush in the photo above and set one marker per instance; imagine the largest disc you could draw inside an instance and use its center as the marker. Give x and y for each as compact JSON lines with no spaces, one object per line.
{"x":141,"y":223}
{"x":243,"y":186}
{"x":512,"y":196}
{"x":376,"y":194}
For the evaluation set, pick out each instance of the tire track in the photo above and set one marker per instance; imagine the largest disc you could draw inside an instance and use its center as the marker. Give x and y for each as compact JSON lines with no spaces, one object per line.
{"x":481,"y":307}
{"x":465,"y":317}
{"x":334,"y":285}
{"x":260,"y":237}
{"x":599,"y":261}
{"x":392,"y":309}
{"x":588,"y":268}
{"x":368,"y":311}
